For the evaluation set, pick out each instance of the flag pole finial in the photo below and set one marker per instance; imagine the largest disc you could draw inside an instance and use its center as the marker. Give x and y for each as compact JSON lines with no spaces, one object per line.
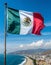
{"x":5,"y":3}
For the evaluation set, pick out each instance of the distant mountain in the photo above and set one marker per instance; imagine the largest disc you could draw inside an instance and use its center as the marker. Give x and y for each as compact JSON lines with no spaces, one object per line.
{"x":30,"y":51}
{"x":47,"y":52}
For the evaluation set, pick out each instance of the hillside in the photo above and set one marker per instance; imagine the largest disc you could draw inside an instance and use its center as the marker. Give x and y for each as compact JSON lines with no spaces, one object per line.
{"x":47,"y":52}
{"x":30,"y":51}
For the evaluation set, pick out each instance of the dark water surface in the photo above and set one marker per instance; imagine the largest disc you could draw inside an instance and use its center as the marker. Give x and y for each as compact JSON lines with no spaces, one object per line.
{"x":12,"y":59}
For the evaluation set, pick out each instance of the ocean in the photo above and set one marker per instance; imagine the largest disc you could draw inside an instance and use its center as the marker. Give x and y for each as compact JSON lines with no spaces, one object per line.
{"x":12,"y":59}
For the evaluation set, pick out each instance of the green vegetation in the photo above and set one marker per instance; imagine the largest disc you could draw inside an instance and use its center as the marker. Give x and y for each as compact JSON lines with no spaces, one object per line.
{"x":34,"y":61}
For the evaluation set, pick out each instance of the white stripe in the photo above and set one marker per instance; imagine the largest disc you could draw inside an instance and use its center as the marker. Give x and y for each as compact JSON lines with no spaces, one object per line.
{"x":25,"y":29}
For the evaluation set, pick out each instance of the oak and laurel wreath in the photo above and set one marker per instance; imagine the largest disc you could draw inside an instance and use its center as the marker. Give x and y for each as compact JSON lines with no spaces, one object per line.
{"x":27,"y":21}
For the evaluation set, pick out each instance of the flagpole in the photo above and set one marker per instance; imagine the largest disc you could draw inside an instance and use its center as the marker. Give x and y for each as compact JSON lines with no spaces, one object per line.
{"x":5,"y":21}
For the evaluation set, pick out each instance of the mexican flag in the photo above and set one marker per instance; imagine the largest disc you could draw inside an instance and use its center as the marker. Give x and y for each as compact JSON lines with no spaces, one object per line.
{"x":24,"y":22}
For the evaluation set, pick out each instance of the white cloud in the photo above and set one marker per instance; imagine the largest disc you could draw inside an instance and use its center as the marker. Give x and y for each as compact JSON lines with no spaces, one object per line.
{"x":38,"y":43}
{"x":47,"y":44}
{"x":21,"y":46}
{"x":34,"y":45}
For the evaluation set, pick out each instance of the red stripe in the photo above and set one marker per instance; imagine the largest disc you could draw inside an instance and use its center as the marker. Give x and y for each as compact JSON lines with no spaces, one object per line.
{"x":38,"y":23}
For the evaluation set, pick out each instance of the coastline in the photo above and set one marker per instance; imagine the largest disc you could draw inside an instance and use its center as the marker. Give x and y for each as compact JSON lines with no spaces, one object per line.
{"x":23,"y":62}
{"x":29,"y":61}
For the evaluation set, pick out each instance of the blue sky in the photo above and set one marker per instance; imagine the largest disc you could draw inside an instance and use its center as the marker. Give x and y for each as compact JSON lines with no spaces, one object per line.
{"x":17,"y":42}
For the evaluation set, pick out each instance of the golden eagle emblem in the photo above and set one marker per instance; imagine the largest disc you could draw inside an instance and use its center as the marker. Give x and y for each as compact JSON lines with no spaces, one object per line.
{"x":27,"y":21}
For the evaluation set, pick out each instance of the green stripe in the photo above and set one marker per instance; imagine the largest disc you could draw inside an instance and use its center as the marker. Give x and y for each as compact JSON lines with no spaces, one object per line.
{"x":13,"y":21}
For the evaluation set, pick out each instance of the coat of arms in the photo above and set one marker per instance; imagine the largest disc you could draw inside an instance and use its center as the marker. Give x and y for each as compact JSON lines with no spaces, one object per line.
{"x":27,"y":21}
